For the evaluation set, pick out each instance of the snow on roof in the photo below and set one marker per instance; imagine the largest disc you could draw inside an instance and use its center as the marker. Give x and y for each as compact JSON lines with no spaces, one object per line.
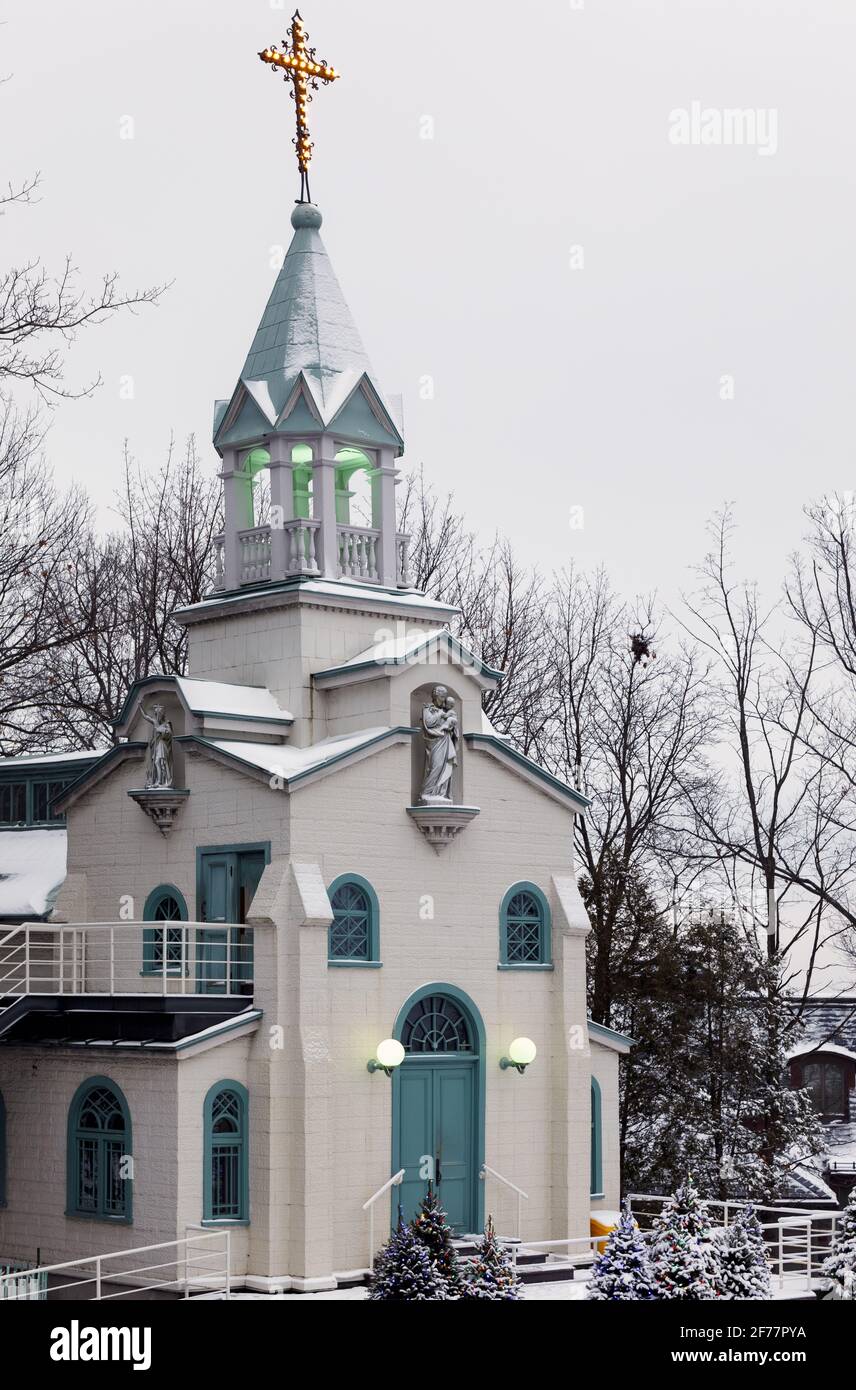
{"x":396,"y":649}
{"x":411,"y":648}
{"x":217,"y":697}
{"x":338,"y":589}
{"x":32,"y":867}
{"x":34,"y":759}
{"x":290,"y":763}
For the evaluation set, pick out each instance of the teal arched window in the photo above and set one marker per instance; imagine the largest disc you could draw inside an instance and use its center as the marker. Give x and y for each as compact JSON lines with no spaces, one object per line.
{"x":354,"y":937}
{"x":100,"y":1166}
{"x":524,"y":927}
{"x":226,"y":1180}
{"x":596,"y":1140}
{"x":2,"y":1151}
{"x":164,"y":904}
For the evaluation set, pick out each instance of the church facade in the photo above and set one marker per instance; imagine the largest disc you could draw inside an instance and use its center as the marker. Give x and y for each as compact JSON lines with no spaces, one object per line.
{"x":319,"y":926}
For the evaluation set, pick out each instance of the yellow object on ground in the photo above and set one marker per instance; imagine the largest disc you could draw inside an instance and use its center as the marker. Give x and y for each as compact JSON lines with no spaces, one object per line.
{"x":601,"y":1223}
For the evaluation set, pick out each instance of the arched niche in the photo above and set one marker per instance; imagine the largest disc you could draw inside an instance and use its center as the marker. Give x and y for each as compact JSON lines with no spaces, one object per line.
{"x":420,"y":697}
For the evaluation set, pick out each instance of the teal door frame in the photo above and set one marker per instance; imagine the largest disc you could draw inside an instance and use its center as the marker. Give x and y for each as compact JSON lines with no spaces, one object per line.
{"x":478,"y":1063}
{"x":211,"y":944}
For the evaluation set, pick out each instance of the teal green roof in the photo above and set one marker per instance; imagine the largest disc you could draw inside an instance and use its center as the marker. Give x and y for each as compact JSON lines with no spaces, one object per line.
{"x":306,"y":366}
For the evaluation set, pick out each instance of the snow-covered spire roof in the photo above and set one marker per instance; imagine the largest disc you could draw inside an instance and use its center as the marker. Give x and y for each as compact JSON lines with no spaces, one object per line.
{"x":307,"y":364}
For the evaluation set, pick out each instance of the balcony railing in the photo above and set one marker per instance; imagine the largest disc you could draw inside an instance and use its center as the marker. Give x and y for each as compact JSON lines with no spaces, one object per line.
{"x":358,"y":554}
{"x":125,"y":958}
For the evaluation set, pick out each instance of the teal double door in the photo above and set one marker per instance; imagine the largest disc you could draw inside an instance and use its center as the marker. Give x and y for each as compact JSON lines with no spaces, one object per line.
{"x":437,"y":1117}
{"x":228,"y":880}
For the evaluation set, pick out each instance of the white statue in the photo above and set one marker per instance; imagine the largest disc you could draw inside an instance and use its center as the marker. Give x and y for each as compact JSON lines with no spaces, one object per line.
{"x":440,"y":736}
{"x":159,"y":769}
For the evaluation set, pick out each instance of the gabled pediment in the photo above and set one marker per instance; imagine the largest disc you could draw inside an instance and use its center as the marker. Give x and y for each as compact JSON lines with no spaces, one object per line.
{"x":395,"y":655}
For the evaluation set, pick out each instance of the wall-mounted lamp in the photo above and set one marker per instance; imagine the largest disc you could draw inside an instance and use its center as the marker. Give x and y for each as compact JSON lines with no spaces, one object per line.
{"x":521,"y":1052}
{"x":389,"y":1055}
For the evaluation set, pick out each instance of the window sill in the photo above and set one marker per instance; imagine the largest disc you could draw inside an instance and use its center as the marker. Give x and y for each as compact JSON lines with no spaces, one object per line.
{"x":355,"y":964}
{"x":97,"y":1216}
{"x":210,"y":1222}
{"x":596,"y":1196}
{"x":507,"y":965}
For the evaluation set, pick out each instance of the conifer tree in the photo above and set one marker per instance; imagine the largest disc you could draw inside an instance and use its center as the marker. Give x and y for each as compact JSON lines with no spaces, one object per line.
{"x":404,"y":1271}
{"x":432,"y":1228}
{"x":682,"y":1263}
{"x":743,"y":1270}
{"x":491,"y":1273}
{"x":840,"y":1267}
{"x":622,"y":1272}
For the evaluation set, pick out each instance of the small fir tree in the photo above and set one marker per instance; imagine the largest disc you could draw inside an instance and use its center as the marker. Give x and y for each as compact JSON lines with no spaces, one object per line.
{"x":404,"y":1271}
{"x":742,"y":1268}
{"x":491,"y":1273}
{"x":432,"y":1228}
{"x":622,"y":1271}
{"x":682,"y":1263}
{"x":840,"y":1266}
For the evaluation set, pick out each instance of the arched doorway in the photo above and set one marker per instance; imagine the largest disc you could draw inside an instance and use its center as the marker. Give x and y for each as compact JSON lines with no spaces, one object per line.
{"x":438,"y":1105}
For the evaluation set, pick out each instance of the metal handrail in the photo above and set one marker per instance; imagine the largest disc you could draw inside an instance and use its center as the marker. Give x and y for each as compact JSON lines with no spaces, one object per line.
{"x":394,"y":1181}
{"x":101,"y":1275}
{"x":521,"y":1195}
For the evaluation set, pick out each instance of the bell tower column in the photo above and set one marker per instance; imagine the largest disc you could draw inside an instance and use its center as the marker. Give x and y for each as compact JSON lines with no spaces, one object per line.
{"x":324,"y":506}
{"x":383,"y":514}
{"x":238,"y":515}
{"x":281,"y":502}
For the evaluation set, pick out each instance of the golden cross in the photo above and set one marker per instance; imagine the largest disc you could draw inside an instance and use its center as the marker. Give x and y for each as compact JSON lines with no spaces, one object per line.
{"x":301,"y":67}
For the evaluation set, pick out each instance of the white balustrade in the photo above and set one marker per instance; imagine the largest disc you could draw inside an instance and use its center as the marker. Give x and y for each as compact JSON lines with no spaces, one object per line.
{"x":358,"y":551}
{"x":219,"y":563}
{"x":402,"y":560}
{"x":255,"y":555}
{"x":301,"y":539}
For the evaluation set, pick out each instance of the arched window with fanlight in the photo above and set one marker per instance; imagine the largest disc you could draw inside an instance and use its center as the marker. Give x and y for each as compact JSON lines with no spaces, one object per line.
{"x":226,"y":1186}
{"x":165,"y":947}
{"x":100,"y":1165}
{"x":355,"y":928}
{"x":524,"y":928}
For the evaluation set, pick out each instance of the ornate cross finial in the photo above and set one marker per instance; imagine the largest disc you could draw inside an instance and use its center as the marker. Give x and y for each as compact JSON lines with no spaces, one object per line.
{"x":303,"y":69}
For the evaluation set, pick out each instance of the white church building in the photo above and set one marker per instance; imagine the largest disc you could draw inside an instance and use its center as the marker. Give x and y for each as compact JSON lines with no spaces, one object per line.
{"x":311,"y":924}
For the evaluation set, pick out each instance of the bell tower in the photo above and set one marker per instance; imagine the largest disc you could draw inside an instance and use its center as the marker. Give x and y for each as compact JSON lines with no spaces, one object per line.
{"x":308,"y":412}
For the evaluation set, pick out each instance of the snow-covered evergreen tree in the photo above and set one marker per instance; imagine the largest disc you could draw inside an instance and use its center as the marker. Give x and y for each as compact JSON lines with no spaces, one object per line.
{"x":840,"y":1267}
{"x":743,"y":1270}
{"x":404,"y":1271}
{"x":622,"y":1271}
{"x":491,"y":1273}
{"x":682,"y":1263}
{"x":431,"y":1227}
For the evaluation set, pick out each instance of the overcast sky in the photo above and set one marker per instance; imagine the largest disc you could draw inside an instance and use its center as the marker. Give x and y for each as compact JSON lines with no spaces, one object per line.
{"x":576,"y":284}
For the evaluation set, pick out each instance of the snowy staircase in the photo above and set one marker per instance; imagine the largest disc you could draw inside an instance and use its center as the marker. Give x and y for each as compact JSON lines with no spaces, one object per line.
{"x":533,"y":1266}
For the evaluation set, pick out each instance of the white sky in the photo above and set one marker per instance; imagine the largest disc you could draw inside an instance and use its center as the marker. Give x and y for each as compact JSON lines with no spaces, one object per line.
{"x":554,"y":387}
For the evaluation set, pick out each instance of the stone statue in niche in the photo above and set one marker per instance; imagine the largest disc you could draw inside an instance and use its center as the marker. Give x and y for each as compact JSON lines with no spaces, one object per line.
{"x":159,"y":766}
{"x":440,"y":737}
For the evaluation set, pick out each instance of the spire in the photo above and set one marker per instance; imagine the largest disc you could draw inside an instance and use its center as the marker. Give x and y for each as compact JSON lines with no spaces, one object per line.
{"x":306,"y":356}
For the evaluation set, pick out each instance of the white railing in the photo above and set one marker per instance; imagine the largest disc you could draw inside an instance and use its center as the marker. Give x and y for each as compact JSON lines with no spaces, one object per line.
{"x":126,"y":958}
{"x":200,"y":1261}
{"x":402,"y":557}
{"x":487,"y":1171}
{"x":798,"y":1241}
{"x":358,"y":548}
{"x":301,"y":545}
{"x":254,"y":555}
{"x":219,"y":563}
{"x":369,"y":1206}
